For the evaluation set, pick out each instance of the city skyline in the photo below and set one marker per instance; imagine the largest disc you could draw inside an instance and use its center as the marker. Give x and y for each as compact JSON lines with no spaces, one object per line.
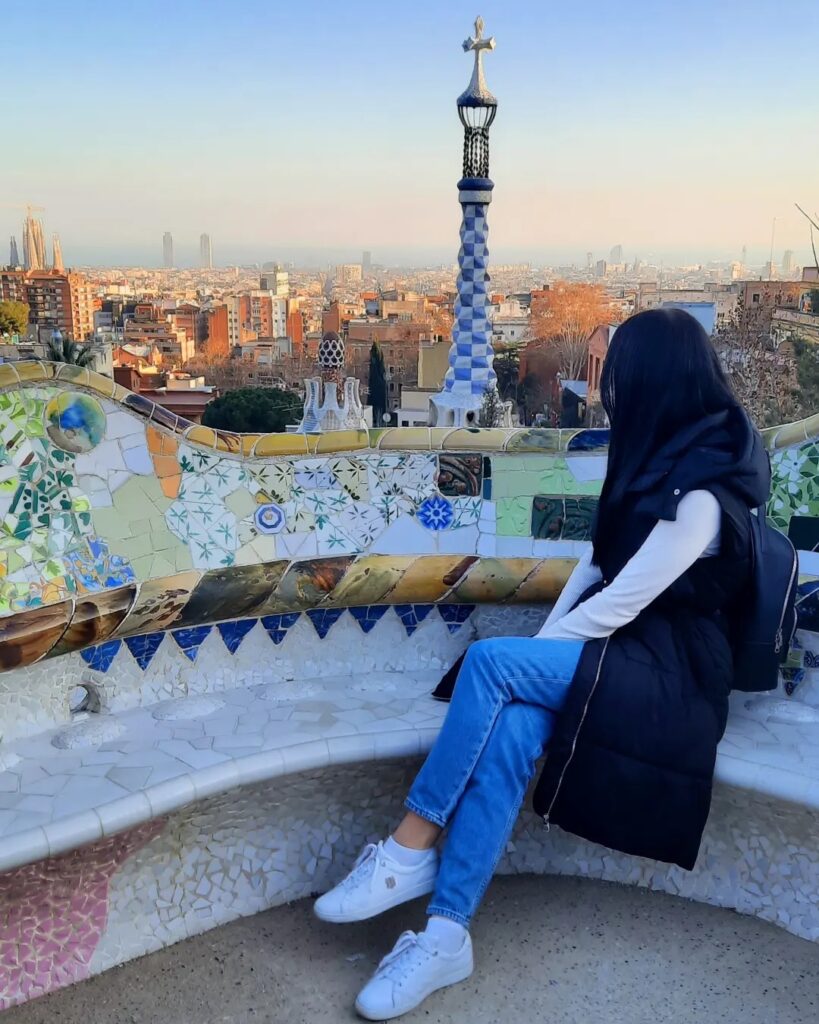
{"x":678,"y":134}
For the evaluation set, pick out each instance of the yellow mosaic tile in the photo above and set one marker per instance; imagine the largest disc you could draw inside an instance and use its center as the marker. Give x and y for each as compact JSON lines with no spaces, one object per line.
{"x":103,"y":385}
{"x":230,"y":443}
{"x":31,"y":370}
{"x":197,"y":434}
{"x":545,"y":583}
{"x":8,"y":375}
{"x":369,"y":580}
{"x":342,"y":441}
{"x":492,"y":580}
{"x":416,"y":439}
{"x":794,"y":433}
{"x":280,"y":444}
{"x":429,"y":578}
{"x":540,"y":439}
{"x":475,"y":439}
{"x":76,"y":374}
{"x":248,"y":442}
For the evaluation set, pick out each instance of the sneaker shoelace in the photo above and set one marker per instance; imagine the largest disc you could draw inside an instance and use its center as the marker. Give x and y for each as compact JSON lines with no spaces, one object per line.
{"x":397,"y":964}
{"x":363,"y":867}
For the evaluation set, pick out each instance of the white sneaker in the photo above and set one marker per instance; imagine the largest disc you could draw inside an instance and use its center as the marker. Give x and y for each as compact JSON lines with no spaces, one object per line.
{"x":414,"y":970}
{"x":376,"y":883}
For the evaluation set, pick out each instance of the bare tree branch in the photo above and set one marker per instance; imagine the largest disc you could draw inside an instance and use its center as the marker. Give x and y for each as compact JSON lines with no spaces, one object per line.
{"x":813,"y":225}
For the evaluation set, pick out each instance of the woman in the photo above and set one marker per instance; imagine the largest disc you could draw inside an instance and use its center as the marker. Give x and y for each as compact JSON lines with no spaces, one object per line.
{"x":626,"y":685}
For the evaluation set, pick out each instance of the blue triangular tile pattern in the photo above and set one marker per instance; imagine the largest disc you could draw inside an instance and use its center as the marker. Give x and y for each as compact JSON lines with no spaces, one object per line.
{"x":412,"y":615}
{"x":324,"y":619}
{"x":190,"y":640}
{"x":369,"y":616}
{"x":233,"y":633}
{"x":143,"y":648}
{"x":455,"y":615}
{"x":101,"y":657}
{"x":278,"y":625}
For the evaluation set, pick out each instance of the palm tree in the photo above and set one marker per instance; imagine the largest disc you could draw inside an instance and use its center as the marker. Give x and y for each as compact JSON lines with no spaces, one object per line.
{"x":64,"y":350}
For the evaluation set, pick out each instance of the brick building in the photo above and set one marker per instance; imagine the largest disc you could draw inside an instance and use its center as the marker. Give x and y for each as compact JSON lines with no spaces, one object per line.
{"x":56,"y":300}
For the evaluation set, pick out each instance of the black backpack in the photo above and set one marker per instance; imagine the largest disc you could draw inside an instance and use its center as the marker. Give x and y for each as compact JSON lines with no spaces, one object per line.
{"x":768,"y":621}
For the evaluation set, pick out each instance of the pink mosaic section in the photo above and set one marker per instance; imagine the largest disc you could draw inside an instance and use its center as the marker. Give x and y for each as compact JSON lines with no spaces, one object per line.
{"x":54,"y":912}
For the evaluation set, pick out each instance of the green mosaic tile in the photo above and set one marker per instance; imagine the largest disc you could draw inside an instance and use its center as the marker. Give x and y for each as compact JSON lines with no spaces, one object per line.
{"x":513,"y":517}
{"x":547,"y":517}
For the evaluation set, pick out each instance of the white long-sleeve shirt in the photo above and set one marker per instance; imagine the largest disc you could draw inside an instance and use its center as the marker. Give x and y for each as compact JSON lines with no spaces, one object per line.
{"x":669,"y":550}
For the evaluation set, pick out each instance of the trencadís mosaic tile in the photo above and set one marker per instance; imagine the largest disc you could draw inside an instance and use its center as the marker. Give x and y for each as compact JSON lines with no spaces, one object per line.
{"x":117,"y":519}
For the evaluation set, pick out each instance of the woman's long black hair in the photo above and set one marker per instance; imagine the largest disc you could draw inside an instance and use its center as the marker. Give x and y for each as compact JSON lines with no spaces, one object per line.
{"x":661,"y":375}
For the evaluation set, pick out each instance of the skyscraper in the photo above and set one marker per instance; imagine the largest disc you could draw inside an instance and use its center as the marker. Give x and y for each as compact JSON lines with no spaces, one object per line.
{"x":57,"y":253}
{"x":787,"y":261}
{"x":205,"y":252}
{"x":366,"y":260}
{"x":14,"y":255}
{"x":275,"y":280}
{"x":616,"y":254}
{"x":167,"y":250}
{"x":34,"y":250}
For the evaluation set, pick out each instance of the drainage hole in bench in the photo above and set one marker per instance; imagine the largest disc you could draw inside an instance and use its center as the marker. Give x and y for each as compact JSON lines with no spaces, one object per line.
{"x":84,"y":698}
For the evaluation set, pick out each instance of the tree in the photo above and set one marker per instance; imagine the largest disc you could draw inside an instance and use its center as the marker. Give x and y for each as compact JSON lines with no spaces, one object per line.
{"x":64,"y":350}
{"x":378,"y":384}
{"x":254,"y":411}
{"x":564,"y":319}
{"x":534,"y":396}
{"x":812,"y":223}
{"x":490,"y":413}
{"x":763,"y":375}
{"x":806,"y":356}
{"x":13,"y":317}
{"x":507,"y":369}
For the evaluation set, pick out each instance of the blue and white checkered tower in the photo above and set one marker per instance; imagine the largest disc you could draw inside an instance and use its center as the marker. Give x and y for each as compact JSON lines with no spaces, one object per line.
{"x":470,"y":372}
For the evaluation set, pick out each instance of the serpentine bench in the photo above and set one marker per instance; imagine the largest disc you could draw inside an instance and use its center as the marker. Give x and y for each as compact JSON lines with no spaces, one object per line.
{"x":218,"y":652}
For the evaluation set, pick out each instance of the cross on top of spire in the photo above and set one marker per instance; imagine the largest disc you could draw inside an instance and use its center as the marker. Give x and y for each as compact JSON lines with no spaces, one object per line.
{"x":477,"y":94}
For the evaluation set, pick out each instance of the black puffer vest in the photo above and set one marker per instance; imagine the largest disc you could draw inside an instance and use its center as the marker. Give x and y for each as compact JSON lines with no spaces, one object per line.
{"x":631,"y":761}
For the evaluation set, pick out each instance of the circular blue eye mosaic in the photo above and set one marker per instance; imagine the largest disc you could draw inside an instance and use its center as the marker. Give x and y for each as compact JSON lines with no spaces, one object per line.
{"x":75,"y":422}
{"x":270,"y":518}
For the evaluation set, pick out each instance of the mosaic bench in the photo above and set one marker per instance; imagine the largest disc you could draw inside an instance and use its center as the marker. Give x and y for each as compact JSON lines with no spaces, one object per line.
{"x":207,"y":640}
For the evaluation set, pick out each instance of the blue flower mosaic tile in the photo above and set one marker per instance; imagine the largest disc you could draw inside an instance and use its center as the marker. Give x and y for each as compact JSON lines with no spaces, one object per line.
{"x":436,"y":513}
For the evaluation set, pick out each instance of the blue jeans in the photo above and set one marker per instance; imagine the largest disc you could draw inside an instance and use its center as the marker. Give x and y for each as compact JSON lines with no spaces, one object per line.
{"x":477,"y":773}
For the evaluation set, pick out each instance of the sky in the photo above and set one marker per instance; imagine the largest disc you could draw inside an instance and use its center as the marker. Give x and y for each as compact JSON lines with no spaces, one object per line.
{"x":311,"y":131}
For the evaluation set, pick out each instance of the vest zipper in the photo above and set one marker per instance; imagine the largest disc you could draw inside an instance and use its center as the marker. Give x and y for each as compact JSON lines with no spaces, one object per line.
{"x":780,"y":639}
{"x":547,"y":815}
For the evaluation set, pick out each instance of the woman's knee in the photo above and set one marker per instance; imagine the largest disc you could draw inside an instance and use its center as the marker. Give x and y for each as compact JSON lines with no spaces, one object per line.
{"x":484,"y":652}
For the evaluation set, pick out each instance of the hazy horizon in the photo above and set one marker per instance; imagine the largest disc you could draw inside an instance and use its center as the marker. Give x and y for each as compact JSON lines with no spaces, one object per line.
{"x":313,"y":133}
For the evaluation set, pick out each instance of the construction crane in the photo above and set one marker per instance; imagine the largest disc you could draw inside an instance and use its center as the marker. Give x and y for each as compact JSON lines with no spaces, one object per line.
{"x":28,"y":207}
